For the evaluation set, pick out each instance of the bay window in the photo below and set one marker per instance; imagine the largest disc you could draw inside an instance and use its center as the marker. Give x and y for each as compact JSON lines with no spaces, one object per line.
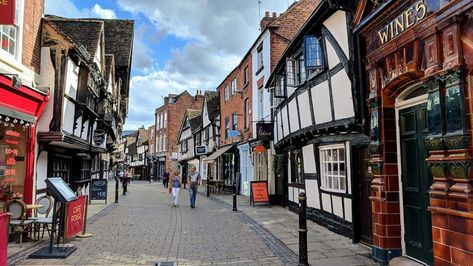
{"x":333,"y":168}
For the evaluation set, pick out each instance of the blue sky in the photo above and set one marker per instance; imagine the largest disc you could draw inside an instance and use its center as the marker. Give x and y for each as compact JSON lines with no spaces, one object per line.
{"x":179,"y":44}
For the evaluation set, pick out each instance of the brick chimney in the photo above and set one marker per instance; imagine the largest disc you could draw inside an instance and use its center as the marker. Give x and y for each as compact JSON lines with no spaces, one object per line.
{"x":266,"y":20}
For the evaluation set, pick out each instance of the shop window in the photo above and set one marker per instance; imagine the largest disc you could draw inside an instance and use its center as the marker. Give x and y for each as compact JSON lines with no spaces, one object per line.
{"x":453,"y":109}
{"x":12,"y":159}
{"x":332,"y":168}
{"x":374,"y":128}
{"x":313,"y":52}
{"x":434,"y":113}
{"x":85,"y":172}
{"x":60,"y":167}
{"x":297,"y":167}
{"x":9,"y":35}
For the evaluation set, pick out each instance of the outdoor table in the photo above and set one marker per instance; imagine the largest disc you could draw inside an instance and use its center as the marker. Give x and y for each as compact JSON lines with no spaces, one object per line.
{"x":34,"y":206}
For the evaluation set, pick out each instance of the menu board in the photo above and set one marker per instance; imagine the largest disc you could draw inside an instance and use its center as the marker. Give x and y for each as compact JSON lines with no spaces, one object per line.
{"x":98,"y":189}
{"x":259,"y":192}
{"x":60,"y":189}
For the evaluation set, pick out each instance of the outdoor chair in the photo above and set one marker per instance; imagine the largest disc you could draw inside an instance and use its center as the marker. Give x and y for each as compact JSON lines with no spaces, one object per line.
{"x":18,"y":217}
{"x":42,"y":214}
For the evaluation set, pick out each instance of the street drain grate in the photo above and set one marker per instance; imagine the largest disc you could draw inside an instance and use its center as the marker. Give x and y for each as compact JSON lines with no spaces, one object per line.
{"x":165,"y":263}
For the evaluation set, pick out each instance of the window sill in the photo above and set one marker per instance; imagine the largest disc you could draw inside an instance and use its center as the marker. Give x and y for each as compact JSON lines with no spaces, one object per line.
{"x":259,"y":70}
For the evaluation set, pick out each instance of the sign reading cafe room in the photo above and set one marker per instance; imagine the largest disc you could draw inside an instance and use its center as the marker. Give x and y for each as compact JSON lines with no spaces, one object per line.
{"x":404,"y":21}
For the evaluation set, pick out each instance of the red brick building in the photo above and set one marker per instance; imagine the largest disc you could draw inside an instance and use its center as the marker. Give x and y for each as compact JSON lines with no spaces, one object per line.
{"x":168,"y":119}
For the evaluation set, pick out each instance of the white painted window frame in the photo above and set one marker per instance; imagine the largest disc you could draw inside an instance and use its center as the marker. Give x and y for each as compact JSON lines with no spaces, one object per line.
{"x":324,"y":175}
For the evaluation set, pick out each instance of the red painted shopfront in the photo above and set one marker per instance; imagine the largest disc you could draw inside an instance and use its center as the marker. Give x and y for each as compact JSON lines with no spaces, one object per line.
{"x":20,"y":109}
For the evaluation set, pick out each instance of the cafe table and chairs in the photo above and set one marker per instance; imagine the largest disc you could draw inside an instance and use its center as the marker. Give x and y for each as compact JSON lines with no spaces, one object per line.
{"x":19,"y":217}
{"x":41,"y":214}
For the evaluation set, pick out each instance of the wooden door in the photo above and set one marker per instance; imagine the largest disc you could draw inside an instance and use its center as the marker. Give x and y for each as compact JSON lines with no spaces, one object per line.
{"x":364,"y":224}
{"x":416,"y":182}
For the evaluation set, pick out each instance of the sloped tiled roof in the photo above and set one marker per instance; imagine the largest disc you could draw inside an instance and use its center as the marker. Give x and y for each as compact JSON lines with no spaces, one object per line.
{"x":213,"y":104}
{"x":84,"y":32}
{"x":119,"y":40}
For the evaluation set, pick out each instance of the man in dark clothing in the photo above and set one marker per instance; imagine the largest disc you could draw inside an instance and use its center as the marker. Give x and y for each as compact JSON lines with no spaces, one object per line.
{"x":166,"y":178}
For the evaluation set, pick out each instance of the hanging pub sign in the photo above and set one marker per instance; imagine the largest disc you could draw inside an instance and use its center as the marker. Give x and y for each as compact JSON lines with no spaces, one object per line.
{"x":99,"y":135}
{"x":201,"y":150}
{"x":7,"y":9}
{"x":259,"y":192}
{"x":75,"y":216}
{"x":264,"y":131}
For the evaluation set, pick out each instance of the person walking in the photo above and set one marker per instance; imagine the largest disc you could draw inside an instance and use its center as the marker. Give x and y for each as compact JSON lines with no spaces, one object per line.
{"x":193,"y":185}
{"x":166,"y":178}
{"x":176,"y":183}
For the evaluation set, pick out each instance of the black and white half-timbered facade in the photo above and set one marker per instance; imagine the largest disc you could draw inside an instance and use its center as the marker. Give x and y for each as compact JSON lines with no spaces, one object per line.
{"x":189,"y":138}
{"x":317,"y":120}
{"x":87,"y":63}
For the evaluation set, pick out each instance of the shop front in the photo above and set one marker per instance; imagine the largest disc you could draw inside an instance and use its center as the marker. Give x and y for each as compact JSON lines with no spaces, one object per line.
{"x":418,"y":69}
{"x":20,"y":109}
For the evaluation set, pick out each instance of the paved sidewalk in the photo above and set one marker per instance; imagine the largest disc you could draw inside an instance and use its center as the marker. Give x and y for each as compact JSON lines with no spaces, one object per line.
{"x":93,"y":208}
{"x":324,"y":247}
{"x":144,"y":229}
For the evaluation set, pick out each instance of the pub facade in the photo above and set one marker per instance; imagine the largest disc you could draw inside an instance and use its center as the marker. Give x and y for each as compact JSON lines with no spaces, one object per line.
{"x":416,"y":65}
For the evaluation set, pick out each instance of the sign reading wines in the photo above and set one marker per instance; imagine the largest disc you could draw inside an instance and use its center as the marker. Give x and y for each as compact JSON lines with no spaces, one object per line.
{"x":75,"y":216}
{"x":259,"y":192}
{"x":98,"y":189}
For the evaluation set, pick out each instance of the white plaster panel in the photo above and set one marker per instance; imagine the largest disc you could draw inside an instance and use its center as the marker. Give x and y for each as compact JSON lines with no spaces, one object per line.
{"x":284,"y":121}
{"x":337,"y":25}
{"x":337,"y":206}
{"x":342,"y":96}
{"x":85,"y":133}
{"x":41,"y":170}
{"x":79,"y":127}
{"x":293,"y":116}
{"x":290,"y":193}
{"x":68,"y":117}
{"x":289,"y":171}
{"x":332,"y":57}
{"x":312,"y":194}
{"x":309,"y":159}
{"x":326,"y":204}
{"x":276,"y":131}
{"x":304,"y":109}
{"x":46,"y":79}
{"x":321,"y":103}
{"x":205,"y":118}
{"x":72,"y":79}
{"x":348,"y":211}
{"x":186,"y":134}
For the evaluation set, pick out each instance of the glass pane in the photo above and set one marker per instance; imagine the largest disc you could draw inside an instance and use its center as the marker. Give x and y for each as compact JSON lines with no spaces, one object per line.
{"x":342,"y":183}
{"x":341,"y":153}
{"x":453,"y":110}
{"x":433,"y":114}
{"x":335,"y":155}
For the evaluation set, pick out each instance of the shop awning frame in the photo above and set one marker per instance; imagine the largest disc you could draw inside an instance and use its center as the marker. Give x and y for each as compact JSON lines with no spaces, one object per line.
{"x":218,"y":153}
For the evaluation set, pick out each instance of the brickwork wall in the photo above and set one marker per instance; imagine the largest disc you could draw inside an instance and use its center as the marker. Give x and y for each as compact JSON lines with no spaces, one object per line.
{"x":175,"y":115}
{"x":236,"y":102}
{"x":287,"y":26}
{"x":151,"y":140}
{"x":33,"y":12}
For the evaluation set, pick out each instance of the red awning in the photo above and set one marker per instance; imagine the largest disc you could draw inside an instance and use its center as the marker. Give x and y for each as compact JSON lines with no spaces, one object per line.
{"x":23,"y":103}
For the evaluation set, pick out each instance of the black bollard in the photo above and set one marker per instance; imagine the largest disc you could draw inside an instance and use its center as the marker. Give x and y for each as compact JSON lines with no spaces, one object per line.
{"x":116,"y":189}
{"x":234,"y":197}
{"x":303,"y":260}
{"x":208,"y":189}
{"x":125,"y":184}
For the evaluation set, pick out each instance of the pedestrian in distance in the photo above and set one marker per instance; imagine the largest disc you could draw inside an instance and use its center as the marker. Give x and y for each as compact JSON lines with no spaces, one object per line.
{"x":166,"y":178}
{"x":176,"y":184}
{"x":193,"y":185}
{"x":184,"y":179}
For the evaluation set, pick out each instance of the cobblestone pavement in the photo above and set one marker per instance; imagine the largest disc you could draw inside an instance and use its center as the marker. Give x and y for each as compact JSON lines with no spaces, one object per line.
{"x":144,"y":229}
{"x":324,"y":247}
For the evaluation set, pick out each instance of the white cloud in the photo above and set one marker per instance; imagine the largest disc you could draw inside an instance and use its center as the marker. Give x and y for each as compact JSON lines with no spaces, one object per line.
{"x":66,"y":8}
{"x":103,"y":13}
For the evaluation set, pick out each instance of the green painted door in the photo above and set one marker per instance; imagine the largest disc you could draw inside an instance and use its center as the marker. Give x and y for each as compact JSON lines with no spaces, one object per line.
{"x":416,"y":182}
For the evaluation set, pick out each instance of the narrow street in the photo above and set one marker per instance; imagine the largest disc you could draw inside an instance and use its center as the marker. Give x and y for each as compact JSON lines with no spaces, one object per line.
{"x":144,"y":229}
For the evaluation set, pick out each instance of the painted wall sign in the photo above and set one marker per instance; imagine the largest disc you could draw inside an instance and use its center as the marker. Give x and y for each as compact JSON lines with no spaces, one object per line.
{"x":7,"y":9}
{"x":98,"y":189}
{"x":75,"y":216}
{"x":233,"y":133}
{"x":259,"y":192}
{"x":264,"y":131}
{"x":404,"y":21}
